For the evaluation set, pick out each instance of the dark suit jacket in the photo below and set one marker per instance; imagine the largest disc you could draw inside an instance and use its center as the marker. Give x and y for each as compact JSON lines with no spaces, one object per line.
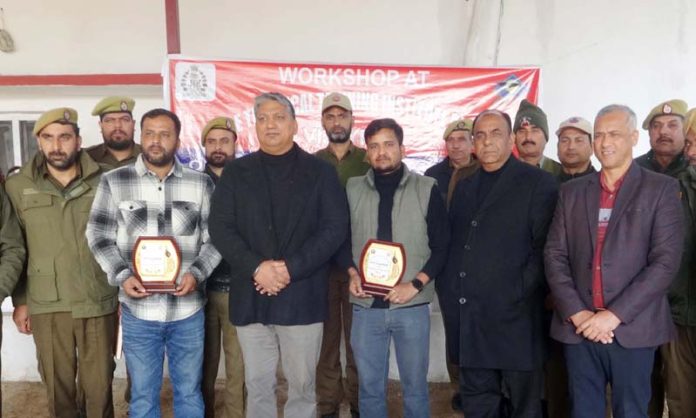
{"x":641,"y":255}
{"x":492,"y":290}
{"x":442,"y":172}
{"x":241,"y":228}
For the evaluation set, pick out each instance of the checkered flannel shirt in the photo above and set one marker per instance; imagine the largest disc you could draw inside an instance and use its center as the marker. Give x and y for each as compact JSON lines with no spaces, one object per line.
{"x":131,"y":202}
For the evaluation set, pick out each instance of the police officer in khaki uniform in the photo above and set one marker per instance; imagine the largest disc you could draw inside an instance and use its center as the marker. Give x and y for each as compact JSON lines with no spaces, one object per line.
{"x":574,"y":148}
{"x":66,"y":301}
{"x":12,"y":253}
{"x":349,"y":161}
{"x":219,"y":138}
{"x":679,"y":355}
{"x":665,"y":125}
{"x":117,"y":127}
{"x":531,"y":136}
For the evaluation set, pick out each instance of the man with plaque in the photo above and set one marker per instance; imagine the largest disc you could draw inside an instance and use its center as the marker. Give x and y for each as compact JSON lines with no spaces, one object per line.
{"x":278,"y":216}
{"x":148,"y":229}
{"x":494,"y":278}
{"x":399,"y":238}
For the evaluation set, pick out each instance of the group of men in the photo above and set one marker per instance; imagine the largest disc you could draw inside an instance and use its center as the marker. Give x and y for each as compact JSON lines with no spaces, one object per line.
{"x":270,"y":264}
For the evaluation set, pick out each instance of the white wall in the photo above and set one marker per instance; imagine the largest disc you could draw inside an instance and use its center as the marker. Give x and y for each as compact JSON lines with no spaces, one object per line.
{"x":591,"y":52}
{"x":84,"y":37}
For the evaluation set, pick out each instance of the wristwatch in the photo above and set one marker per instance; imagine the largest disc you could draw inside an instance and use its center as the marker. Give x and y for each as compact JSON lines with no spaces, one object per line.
{"x":417,"y":284}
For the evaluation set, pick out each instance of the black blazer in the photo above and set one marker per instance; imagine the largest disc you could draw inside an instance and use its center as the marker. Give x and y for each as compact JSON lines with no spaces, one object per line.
{"x":492,"y":291}
{"x":241,"y":228}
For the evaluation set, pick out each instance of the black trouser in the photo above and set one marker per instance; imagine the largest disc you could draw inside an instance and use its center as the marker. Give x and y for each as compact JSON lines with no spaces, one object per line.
{"x":490,"y":393}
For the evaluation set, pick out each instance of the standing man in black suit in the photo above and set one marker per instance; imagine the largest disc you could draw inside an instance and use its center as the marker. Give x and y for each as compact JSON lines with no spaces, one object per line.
{"x":495,"y":275}
{"x":277,"y":217}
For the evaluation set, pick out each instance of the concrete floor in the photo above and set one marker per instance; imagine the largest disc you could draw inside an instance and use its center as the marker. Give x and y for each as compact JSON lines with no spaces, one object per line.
{"x":28,"y":399}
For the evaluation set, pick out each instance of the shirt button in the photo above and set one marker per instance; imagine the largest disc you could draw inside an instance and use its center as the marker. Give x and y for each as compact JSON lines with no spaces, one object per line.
{"x":474,"y":224}
{"x":462,"y":274}
{"x":159,"y":188}
{"x":462,"y":301}
{"x":599,"y":268}
{"x":467,"y":247}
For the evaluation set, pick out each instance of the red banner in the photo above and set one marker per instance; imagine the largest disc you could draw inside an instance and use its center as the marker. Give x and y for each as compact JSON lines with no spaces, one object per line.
{"x":421,"y":99}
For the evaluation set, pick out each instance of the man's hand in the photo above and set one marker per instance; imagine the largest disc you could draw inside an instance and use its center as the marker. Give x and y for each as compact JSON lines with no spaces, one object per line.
{"x":599,"y":327}
{"x":20,"y":316}
{"x":188,"y":284}
{"x":401,"y":293}
{"x":581,"y":317}
{"x":355,"y":285}
{"x":282,"y":270}
{"x":271,"y":277}
{"x":134,"y":288}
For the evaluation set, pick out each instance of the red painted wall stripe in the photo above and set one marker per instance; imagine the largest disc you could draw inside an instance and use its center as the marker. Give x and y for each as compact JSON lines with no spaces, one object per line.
{"x":171,"y":10}
{"x":81,"y":80}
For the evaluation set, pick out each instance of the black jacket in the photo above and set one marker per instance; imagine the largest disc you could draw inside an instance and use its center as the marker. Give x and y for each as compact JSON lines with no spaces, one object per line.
{"x":442,"y":172}
{"x":492,"y":290}
{"x":241,"y":228}
{"x":219,"y":280}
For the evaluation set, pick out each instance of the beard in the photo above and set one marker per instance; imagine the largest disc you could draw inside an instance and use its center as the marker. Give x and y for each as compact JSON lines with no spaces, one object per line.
{"x":339,"y":137}
{"x":163,"y":159}
{"x":116,"y":143}
{"x":218,"y":159}
{"x":60,"y":160}
{"x":387,"y":169}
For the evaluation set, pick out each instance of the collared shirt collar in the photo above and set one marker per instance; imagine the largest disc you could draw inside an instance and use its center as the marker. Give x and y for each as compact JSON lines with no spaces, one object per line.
{"x":142,"y":169}
{"x":350,"y":150}
{"x":617,"y":185}
{"x":45,"y":174}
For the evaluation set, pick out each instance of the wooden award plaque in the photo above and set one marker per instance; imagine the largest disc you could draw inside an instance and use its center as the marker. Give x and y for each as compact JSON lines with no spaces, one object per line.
{"x":157,"y":261}
{"x":382,"y":266}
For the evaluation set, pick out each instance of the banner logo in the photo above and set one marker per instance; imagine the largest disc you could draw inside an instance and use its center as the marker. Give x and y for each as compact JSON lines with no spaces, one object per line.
{"x":195,"y":81}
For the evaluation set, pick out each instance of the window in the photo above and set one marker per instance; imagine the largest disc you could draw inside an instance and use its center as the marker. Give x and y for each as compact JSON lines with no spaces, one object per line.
{"x":6,"y":146}
{"x":17,"y":142}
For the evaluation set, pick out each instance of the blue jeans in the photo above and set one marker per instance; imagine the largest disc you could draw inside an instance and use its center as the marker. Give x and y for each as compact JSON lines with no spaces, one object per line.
{"x":371,"y":334}
{"x":144,"y":344}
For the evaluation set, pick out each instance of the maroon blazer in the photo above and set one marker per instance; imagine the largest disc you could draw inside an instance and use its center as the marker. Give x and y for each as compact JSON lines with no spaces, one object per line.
{"x":641,"y":255}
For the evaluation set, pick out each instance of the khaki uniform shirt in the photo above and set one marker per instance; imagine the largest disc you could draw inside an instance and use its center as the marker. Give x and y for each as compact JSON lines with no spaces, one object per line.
{"x":100,"y":153}
{"x":352,"y":164}
{"x":62,"y":275}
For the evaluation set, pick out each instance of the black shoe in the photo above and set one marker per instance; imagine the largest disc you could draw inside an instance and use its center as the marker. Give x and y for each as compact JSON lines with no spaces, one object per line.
{"x":331,"y":415}
{"x":457,"y":402}
{"x":354,"y":414}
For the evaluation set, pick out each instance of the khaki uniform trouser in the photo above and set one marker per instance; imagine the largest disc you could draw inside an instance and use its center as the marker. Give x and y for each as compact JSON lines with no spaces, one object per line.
{"x":679,"y":357}
{"x":217,"y":325}
{"x":59,"y":338}
{"x":331,"y":390}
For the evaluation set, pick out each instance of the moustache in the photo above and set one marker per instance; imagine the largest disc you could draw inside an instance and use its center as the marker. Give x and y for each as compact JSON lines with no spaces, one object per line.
{"x":527,"y":141}
{"x":56,"y":154}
